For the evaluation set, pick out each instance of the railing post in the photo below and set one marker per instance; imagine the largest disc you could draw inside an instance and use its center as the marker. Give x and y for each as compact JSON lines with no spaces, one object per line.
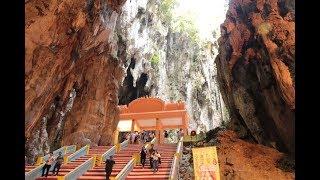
{"x":60,"y":178}
{"x":39,"y":161}
{"x":88,"y":148}
{"x":117,"y":147}
{"x":136,"y":158}
{"x":99,"y":160}
{"x":94,"y":161}
{"x":65,"y":159}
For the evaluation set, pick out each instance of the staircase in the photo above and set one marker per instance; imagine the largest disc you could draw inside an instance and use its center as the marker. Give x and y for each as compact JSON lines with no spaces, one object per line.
{"x":28,"y":168}
{"x":167,"y":152}
{"x":121,"y":158}
{"x":68,"y":167}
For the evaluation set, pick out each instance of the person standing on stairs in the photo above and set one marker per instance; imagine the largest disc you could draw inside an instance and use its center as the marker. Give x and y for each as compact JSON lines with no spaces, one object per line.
{"x":59,"y":161}
{"x":178,"y":135}
{"x":133,"y":137}
{"x":155,"y":161}
{"x":109,"y":165}
{"x":151,"y":151}
{"x":159,"y":156}
{"x":143,"y":156}
{"x":166,"y":135}
{"x":48,"y":164}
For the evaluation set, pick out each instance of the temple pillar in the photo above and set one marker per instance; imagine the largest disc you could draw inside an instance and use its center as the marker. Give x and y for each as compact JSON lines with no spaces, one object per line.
{"x":159,"y":131}
{"x":185,"y":124}
{"x":132,"y":125}
{"x":116,"y":137}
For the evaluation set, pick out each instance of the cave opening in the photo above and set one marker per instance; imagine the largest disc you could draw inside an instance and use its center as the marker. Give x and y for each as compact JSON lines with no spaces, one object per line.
{"x":128,"y":92}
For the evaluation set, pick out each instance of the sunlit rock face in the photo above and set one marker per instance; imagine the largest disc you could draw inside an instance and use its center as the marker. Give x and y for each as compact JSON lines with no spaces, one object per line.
{"x":168,"y":64}
{"x":71,"y":74}
{"x":256,"y":70}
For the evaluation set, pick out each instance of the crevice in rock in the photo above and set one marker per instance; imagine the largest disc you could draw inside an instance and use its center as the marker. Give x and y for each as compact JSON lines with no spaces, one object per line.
{"x":128,"y":92}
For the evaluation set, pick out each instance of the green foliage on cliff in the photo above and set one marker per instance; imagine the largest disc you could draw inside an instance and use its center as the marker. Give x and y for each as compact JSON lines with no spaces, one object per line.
{"x":165,"y":9}
{"x":155,"y":58}
{"x":186,"y":24}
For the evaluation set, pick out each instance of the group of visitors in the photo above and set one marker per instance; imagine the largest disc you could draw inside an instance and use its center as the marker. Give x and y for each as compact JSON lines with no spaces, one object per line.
{"x":58,"y":160}
{"x":138,"y":137}
{"x":134,"y":138}
{"x":154,"y":158}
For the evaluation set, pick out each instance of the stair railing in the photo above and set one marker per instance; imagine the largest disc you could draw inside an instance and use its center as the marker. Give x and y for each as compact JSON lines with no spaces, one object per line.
{"x":129,"y":166}
{"x":123,"y":145}
{"x":153,"y":141}
{"x":174,"y":171}
{"x":70,"y":149}
{"x":36,"y":172}
{"x":126,"y":170}
{"x":106,"y":155}
{"x":81,"y":152}
{"x":80,"y":170}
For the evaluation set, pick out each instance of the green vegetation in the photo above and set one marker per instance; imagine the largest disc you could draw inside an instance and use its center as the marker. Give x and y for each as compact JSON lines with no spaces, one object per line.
{"x":186,"y":24}
{"x":155,"y":58}
{"x":166,"y":8}
{"x":179,"y":24}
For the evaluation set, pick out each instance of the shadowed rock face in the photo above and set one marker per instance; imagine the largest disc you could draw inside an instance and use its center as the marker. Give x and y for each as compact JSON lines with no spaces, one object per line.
{"x":71,"y":77}
{"x":256,"y":70}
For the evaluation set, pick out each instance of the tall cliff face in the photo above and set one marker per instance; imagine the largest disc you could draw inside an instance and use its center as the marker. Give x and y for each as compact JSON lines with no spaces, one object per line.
{"x":161,"y":61}
{"x":71,"y":75}
{"x":256,"y":69}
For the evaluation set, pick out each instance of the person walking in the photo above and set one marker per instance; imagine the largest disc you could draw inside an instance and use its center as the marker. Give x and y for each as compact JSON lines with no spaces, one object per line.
{"x":59,"y":161}
{"x":151,"y":150}
{"x":143,"y":156}
{"x":155,"y":161}
{"x":109,"y":165}
{"x":179,"y":135}
{"x":166,"y":135}
{"x":133,"y":137}
{"x":47,"y":165}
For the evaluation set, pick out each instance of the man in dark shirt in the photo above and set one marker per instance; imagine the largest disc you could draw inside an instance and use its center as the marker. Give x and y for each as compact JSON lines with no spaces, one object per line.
{"x":58,"y":164}
{"x":47,"y":165}
{"x":143,"y":156}
{"x":151,"y":150}
{"x":109,"y":165}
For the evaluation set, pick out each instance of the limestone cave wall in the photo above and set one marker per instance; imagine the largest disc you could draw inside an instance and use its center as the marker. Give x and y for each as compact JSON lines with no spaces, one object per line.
{"x":256,"y":70}
{"x":71,"y":73}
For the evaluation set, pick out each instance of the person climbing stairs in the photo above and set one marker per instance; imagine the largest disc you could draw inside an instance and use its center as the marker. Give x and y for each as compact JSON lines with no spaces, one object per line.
{"x":167,"y":152}
{"x":121,"y":158}
{"x":68,"y":167}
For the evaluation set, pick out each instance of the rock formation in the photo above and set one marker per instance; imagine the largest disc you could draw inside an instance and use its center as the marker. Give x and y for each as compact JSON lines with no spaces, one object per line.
{"x":85,"y":57}
{"x":71,"y":75}
{"x":161,"y":61}
{"x":256,"y":70}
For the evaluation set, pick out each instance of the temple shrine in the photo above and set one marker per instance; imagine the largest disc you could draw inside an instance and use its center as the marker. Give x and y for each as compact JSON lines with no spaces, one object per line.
{"x":150,"y":113}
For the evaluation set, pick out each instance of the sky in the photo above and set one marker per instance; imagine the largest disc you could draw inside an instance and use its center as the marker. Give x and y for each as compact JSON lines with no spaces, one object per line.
{"x":207,"y":14}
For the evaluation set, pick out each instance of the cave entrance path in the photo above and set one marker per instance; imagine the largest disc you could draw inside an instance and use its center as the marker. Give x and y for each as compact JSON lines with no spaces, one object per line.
{"x":152,"y":113}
